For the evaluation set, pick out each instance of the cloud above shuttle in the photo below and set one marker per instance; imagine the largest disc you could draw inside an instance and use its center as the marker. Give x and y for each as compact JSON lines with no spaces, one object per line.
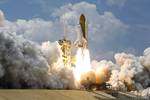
{"x":101,"y":26}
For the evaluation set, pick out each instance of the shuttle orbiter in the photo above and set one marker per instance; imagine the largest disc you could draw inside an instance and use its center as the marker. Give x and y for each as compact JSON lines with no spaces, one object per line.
{"x":82,"y":37}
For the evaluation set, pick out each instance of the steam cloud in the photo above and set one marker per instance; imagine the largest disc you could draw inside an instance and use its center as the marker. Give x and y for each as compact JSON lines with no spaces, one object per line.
{"x":131,"y":73}
{"x":24,"y":64}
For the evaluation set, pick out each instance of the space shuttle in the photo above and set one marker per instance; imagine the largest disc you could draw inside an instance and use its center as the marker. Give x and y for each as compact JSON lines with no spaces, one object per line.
{"x":82,"y":36}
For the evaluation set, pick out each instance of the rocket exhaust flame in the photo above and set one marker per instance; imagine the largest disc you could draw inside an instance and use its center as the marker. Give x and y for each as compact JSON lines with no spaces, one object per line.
{"x":82,"y":64}
{"x":84,"y":74}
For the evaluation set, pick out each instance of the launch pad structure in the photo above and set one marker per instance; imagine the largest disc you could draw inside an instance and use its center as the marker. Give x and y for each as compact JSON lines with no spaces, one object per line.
{"x":66,"y":49}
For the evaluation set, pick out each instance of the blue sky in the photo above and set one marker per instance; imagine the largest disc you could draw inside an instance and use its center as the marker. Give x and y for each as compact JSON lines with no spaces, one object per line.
{"x":131,"y":13}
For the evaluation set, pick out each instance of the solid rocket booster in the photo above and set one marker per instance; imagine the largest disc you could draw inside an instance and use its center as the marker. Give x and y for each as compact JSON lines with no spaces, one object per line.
{"x":82,"y":35}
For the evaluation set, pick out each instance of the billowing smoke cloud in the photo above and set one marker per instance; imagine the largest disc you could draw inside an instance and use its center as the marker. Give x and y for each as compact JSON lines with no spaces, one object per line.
{"x":145,"y":93}
{"x":145,"y":60}
{"x":37,"y":30}
{"x":102,"y":70}
{"x":131,"y":73}
{"x":24,"y":64}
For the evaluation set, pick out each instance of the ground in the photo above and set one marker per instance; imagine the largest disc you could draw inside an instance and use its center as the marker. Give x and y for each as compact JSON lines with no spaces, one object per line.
{"x":53,"y":95}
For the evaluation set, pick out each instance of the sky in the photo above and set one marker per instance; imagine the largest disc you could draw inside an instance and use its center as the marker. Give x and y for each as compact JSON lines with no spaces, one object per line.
{"x":114,"y":25}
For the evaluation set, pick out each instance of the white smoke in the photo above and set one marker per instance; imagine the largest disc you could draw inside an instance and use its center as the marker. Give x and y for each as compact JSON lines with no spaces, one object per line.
{"x":102,"y":70}
{"x":24,"y":64}
{"x":145,"y":93}
{"x":132,"y":73}
{"x":145,"y":60}
{"x":58,"y":71}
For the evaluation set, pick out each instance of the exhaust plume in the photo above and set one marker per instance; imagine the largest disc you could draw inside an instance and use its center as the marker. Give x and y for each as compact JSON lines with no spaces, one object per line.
{"x":131,"y":73}
{"x":24,"y":64}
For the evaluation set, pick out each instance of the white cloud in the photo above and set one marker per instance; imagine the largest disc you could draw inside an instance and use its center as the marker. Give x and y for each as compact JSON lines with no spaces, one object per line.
{"x":101,"y":26}
{"x":38,"y":30}
{"x":119,"y":3}
{"x":2,"y":18}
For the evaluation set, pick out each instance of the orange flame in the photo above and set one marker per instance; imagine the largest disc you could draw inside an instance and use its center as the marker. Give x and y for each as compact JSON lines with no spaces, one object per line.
{"x":82,"y":64}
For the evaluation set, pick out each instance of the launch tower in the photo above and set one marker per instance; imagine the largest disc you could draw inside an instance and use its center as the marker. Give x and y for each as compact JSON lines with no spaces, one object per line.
{"x":66,"y":48}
